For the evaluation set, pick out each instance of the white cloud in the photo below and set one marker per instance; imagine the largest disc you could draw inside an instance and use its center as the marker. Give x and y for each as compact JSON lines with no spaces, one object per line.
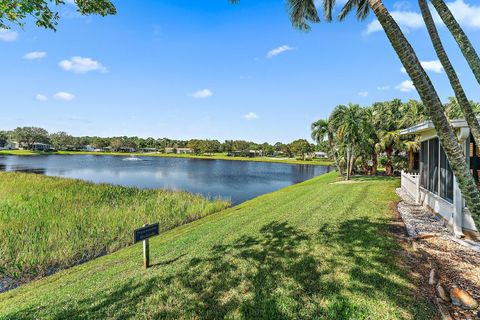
{"x":35,"y":55}
{"x":8,"y":35}
{"x":383,"y":88}
{"x":407,"y":20}
{"x":202,"y":94}
{"x":64,"y":96}
{"x":275,"y":52}
{"x":41,"y":98}
{"x":363,"y":93}
{"x":466,"y":15}
{"x":250,"y":116}
{"x":434,"y":66}
{"x":406,"y":86}
{"x":81,"y":65}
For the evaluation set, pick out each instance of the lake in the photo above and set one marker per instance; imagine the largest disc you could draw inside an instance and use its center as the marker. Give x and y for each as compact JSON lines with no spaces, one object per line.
{"x":236,"y":181}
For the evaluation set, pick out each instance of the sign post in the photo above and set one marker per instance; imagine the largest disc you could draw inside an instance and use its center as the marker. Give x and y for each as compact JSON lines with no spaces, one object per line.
{"x":143,"y":234}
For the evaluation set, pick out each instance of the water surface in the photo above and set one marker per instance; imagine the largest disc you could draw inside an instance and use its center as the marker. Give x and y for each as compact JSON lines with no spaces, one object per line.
{"x":236,"y":181}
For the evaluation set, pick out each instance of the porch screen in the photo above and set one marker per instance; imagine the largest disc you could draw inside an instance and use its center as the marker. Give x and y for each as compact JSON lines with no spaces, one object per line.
{"x":474,"y":157}
{"x":424,"y":164}
{"x":433,"y":162}
{"x":446,"y":177}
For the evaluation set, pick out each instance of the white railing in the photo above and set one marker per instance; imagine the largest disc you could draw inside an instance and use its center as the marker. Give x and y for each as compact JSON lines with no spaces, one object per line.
{"x":411,"y":184}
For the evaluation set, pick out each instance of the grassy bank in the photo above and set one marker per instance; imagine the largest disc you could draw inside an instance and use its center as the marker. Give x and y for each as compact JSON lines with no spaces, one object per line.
{"x":50,"y":222}
{"x":316,"y":250}
{"x":217,"y":156}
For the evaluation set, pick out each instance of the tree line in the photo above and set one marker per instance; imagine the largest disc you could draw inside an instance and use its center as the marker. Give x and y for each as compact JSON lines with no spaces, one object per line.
{"x":358,"y":139}
{"x":28,"y":136}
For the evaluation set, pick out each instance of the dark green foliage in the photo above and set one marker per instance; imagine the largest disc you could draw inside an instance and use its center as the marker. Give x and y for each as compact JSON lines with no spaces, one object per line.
{"x":44,"y":12}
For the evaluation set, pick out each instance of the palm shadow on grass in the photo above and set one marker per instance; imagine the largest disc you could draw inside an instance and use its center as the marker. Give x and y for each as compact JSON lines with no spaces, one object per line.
{"x":275,"y":275}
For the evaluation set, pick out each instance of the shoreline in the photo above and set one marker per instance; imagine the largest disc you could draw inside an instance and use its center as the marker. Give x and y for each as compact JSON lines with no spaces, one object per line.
{"x":167,"y":155}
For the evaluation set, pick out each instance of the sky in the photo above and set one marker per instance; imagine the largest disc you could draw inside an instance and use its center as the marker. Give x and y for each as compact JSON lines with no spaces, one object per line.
{"x":206,"y":69}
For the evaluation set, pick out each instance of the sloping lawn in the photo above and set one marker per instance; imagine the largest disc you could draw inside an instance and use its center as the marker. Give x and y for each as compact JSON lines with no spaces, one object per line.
{"x":316,"y":250}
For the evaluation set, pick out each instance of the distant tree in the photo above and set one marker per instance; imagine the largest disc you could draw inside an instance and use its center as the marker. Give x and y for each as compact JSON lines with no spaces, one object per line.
{"x":29,"y":135}
{"x":3,"y":138}
{"x":241,"y":145}
{"x":61,"y":140}
{"x":100,"y":143}
{"x":301,"y":148}
{"x":116,"y":144}
{"x":196,"y":145}
{"x":44,"y":13}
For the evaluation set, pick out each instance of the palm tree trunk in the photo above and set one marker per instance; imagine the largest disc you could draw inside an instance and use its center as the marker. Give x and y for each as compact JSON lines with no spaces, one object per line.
{"x":375,"y":163}
{"x":348,"y":163}
{"x":452,"y":75}
{"x":433,"y":105}
{"x":410,"y":160}
{"x":462,"y":40}
{"x":334,"y":154}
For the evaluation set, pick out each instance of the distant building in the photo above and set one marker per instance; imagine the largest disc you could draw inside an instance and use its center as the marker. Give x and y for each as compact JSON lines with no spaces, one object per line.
{"x":184,"y":151}
{"x":88,"y":148}
{"x":178,"y":150}
{"x":127,"y":149}
{"x":149,"y":150}
{"x":11,"y":145}
{"x":37,"y":146}
{"x":319,"y":154}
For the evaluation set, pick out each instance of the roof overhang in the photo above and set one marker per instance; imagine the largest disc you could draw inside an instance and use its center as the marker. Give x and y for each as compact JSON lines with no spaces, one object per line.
{"x":428,"y":126}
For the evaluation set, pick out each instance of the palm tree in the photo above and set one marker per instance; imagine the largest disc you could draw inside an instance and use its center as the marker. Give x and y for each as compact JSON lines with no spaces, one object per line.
{"x":462,"y":40}
{"x":349,"y":123}
{"x":389,"y":142}
{"x":321,"y":132}
{"x":452,"y":75}
{"x":303,"y":12}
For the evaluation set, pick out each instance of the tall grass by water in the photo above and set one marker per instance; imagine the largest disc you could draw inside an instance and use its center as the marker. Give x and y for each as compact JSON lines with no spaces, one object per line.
{"x":50,"y":223}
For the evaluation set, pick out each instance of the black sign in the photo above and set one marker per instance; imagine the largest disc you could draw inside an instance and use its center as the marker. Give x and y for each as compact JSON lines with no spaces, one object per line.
{"x":146,"y":232}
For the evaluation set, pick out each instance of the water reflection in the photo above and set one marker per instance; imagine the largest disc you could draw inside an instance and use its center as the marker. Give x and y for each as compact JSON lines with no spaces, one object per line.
{"x":234,"y":180}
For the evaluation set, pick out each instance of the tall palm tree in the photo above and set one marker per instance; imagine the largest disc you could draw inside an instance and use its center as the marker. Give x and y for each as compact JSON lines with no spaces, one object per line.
{"x":303,"y":12}
{"x":462,"y":40}
{"x":321,"y":131}
{"x":452,"y":75}
{"x":349,"y":125}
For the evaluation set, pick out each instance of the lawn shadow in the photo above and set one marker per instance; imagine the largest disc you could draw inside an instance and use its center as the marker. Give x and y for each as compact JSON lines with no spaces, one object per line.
{"x":273,"y":275}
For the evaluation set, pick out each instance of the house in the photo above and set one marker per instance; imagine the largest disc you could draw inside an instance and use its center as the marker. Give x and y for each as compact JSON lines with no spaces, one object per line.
{"x":320,"y":154}
{"x":37,"y":146}
{"x":147,"y":150}
{"x":184,"y":151}
{"x":11,"y":145}
{"x":178,"y":150}
{"x":434,"y":186}
{"x":88,"y":148}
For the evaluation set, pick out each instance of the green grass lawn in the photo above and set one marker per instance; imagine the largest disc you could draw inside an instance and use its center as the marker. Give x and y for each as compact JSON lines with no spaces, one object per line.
{"x":48,"y":222}
{"x":216,"y":156}
{"x":316,"y":250}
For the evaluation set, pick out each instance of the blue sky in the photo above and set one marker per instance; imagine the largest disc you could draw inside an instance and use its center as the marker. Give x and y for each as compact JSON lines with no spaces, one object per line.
{"x":206,"y":69}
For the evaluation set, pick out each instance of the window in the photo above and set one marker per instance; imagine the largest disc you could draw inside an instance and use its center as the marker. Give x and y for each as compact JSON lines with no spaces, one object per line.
{"x":433,"y":162}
